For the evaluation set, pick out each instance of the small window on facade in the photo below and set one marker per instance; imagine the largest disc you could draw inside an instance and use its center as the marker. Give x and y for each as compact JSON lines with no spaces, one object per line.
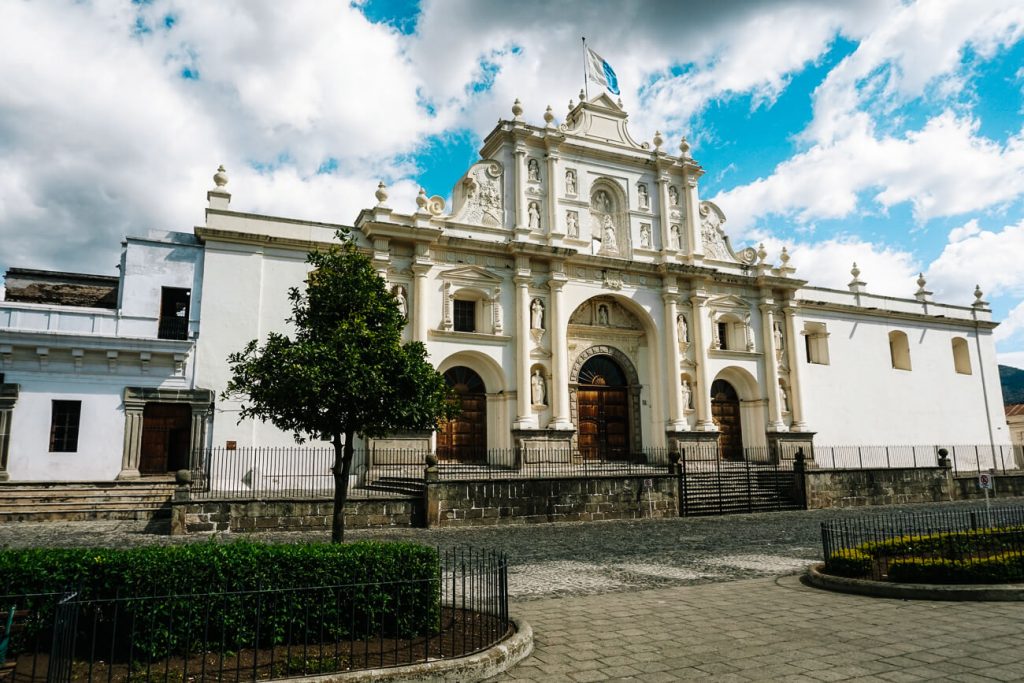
{"x":723,"y":336}
{"x":174,"y":305}
{"x":899,"y":350}
{"x":816,"y":343}
{"x":64,"y":420}
{"x":464,"y":315}
{"x":961,"y":356}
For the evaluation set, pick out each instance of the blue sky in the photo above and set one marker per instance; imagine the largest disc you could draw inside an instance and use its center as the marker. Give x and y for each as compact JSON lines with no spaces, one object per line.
{"x":886,"y":132}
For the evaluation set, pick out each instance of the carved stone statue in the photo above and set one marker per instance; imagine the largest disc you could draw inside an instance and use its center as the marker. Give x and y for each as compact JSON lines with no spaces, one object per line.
{"x":780,"y":341}
{"x":533,"y":170}
{"x":784,"y":398}
{"x":572,"y":221}
{"x":534,"y":213}
{"x":687,"y":395}
{"x":537,"y":389}
{"x":537,"y":315}
{"x":677,"y":237}
{"x":602,"y":314}
{"x":402,"y":301}
{"x":602,"y":202}
{"x":673,"y":196}
{"x":610,"y":240}
{"x":645,"y":236}
{"x":682,"y":328}
{"x":645,"y":199}
{"x":570,"y":181}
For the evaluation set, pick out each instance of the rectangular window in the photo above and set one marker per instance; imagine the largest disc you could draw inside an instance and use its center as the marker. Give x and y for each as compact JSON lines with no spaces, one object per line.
{"x":174,"y":305}
{"x":816,"y":343}
{"x":723,"y":336}
{"x":465,"y":315}
{"x":64,"y":420}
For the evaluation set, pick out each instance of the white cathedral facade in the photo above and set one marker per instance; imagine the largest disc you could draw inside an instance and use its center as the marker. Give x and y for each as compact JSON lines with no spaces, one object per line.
{"x":578,"y":295}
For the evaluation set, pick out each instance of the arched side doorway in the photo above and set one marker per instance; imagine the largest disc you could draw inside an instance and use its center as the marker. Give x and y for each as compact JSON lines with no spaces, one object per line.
{"x":463,"y":439}
{"x":602,"y":397}
{"x":725,"y":411}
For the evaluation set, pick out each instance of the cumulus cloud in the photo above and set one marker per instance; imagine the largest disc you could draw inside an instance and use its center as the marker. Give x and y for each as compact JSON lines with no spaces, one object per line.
{"x":987,"y":258}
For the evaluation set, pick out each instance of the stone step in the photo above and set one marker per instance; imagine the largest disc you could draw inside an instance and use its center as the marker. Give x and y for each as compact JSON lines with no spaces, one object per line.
{"x":7,"y":517}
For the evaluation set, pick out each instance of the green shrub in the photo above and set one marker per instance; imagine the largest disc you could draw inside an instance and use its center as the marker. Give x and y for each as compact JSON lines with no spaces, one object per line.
{"x":1002,"y":568}
{"x":849,"y":562}
{"x":160,"y":600}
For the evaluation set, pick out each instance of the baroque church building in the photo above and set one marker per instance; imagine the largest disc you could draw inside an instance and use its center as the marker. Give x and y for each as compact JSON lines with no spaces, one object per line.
{"x":578,"y":295}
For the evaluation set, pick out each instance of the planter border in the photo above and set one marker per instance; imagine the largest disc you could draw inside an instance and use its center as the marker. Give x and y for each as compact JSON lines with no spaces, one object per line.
{"x":993,"y":592}
{"x":496,"y":659}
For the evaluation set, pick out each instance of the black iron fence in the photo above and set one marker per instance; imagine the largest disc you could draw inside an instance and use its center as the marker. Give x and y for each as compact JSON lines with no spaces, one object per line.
{"x":762,"y":480}
{"x":937,"y":543}
{"x":262,"y":634}
{"x":962,"y":457}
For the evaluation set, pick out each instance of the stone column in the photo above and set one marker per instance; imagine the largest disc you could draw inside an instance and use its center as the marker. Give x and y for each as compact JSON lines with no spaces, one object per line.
{"x":197,"y":437}
{"x":553,"y":229}
{"x":559,"y":352}
{"x":667,"y":247}
{"x":419,"y":301}
{"x":676,"y":421}
{"x":517,"y":176}
{"x":795,"y":390}
{"x":702,"y":392}
{"x":8,"y":397}
{"x":771,"y":366}
{"x":524,"y":415}
{"x":132,"y":452}
{"x":692,"y":207}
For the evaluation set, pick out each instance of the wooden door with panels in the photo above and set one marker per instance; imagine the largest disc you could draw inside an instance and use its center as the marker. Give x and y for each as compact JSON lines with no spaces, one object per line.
{"x":725,"y":411}
{"x":166,"y":432}
{"x":602,"y":398}
{"x":463,"y":439}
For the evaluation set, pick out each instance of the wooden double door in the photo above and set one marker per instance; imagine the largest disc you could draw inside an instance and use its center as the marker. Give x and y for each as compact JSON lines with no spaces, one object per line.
{"x":725,"y":411}
{"x":166,"y":433}
{"x":463,"y":439}
{"x":602,"y":401}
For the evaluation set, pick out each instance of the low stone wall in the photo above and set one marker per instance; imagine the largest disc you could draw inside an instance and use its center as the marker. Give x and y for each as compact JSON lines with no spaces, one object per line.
{"x":525,"y":501}
{"x":207,"y":517}
{"x":1006,"y":486}
{"x":855,"y":488}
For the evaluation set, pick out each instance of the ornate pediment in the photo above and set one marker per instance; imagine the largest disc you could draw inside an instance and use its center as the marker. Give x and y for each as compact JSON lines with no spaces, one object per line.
{"x":478,"y":197}
{"x":607,"y":313}
{"x":471,"y":275}
{"x":728,"y":302}
{"x":716,"y":243}
{"x":601,"y":118}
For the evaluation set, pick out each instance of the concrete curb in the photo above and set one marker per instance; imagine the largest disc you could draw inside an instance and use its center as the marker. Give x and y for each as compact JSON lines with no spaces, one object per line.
{"x":477,"y":667}
{"x":997,"y":592}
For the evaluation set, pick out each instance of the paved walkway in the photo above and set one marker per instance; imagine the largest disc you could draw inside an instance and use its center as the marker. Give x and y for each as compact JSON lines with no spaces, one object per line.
{"x":767,"y":630}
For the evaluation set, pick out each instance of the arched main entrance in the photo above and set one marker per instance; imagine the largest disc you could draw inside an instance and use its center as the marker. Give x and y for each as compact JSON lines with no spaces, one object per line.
{"x":603,"y":403}
{"x":463,"y":439}
{"x":725,"y":411}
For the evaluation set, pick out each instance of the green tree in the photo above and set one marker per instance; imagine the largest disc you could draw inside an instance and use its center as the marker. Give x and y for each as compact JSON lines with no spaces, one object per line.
{"x":345,"y":371}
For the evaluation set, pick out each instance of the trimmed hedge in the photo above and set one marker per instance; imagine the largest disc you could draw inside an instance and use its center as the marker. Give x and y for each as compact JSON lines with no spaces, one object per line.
{"x":849,"y":562}
{"x":239,"y":595}
{"x":949,"y":544}
{"x":1003,"y":568}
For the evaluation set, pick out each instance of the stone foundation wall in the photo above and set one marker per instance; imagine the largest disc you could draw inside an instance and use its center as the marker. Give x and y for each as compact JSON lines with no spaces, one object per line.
{"x":290,"y":515}
{"x":520,"y":501}
{"x":855,"y":488}
{"x":1006,"y":486}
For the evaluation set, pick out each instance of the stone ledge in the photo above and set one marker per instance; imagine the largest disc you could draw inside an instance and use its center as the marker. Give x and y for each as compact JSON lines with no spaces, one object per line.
{"x":993,"y":592}
{"x":476,"y":667}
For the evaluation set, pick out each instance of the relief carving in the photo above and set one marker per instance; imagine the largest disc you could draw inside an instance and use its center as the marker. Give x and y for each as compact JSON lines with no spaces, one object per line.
{"x":478,"y":198}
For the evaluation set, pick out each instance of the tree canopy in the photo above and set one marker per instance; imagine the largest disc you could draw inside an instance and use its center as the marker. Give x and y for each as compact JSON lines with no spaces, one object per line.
{"x":345,"y":370}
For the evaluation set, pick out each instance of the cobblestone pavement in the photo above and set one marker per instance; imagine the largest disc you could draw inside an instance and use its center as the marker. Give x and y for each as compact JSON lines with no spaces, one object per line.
{"x":692,"y":598}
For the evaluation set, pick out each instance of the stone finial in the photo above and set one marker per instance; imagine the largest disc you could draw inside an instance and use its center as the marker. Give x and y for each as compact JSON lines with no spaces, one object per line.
{"x":549,"y":117}
{"x":572,"y":105}
{"x":784,"y":269}
{"x":658,"y":140}
{"x":684,"y":148}
{"x":421,"y":200}
{"x":762,"y":254}
{"x":381,"y":194}
{"x":220,"y":178}
{"x":517,"y":110}
{"x":621,"y":106}
{"x":856,"y":285}
{"x":583,"y":95}
{"x":921,"y":294}
{"x":979,"y":302}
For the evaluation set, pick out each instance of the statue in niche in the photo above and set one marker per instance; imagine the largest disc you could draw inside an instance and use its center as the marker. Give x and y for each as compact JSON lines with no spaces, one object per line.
{"x":687,"y":395}
{"x":537,"y":389}
{"x":673,"y":196}
{"x":533,"y":170}
{"x":682,"y":328}
{"x":602,"y":202}
{"x":645,"y":236}
{"x":677,"y":237}
{"x":780,"y":341}
{"x":784,"y":398}
{"x":610,"y":240}
{"x":570,"y":181}
{"x":537,"y":315}
{"x":602,"y":314}
{"x":534,"y":213}
{"x":572,"y":220}
{"x":401,"y":300}
{"x":645,"y":200}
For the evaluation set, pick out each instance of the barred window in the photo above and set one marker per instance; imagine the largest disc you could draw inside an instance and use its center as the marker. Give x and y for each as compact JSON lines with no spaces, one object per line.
{"x":464,"y":315}
{"x":64,"y":419}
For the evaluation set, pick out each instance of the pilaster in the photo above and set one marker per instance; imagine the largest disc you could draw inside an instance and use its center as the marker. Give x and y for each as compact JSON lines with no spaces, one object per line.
{"x":8,"y":397}
{"x":559,"y":351}
{"x":795,"y":387}
{"x":132,"y":451}
{"x":702,"y":404}
{"x":420,"y":299}
{"x":771,"y":366}
{"x":692,"y":207}
{"x":555,"y":233}
{"x":518,"y":169}
{"x":668,"y":249}
{"x":676,"y":421}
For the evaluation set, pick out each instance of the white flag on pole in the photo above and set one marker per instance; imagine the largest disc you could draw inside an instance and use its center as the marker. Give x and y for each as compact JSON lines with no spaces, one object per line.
{"x":601,"y":73}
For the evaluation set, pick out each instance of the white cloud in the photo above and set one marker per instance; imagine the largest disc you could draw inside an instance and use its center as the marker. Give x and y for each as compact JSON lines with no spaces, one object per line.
{"x":987,"y":258}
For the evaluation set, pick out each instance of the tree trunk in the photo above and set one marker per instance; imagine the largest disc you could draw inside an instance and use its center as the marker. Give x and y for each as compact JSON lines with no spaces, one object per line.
{"x":342,"y":466}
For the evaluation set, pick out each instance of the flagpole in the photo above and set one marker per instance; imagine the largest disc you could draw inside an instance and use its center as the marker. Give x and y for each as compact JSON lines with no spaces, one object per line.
{"x":586,"y":86}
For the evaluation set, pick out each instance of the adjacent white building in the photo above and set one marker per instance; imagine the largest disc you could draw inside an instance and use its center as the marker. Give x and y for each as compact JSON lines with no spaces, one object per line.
{"x":578,"y":294}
